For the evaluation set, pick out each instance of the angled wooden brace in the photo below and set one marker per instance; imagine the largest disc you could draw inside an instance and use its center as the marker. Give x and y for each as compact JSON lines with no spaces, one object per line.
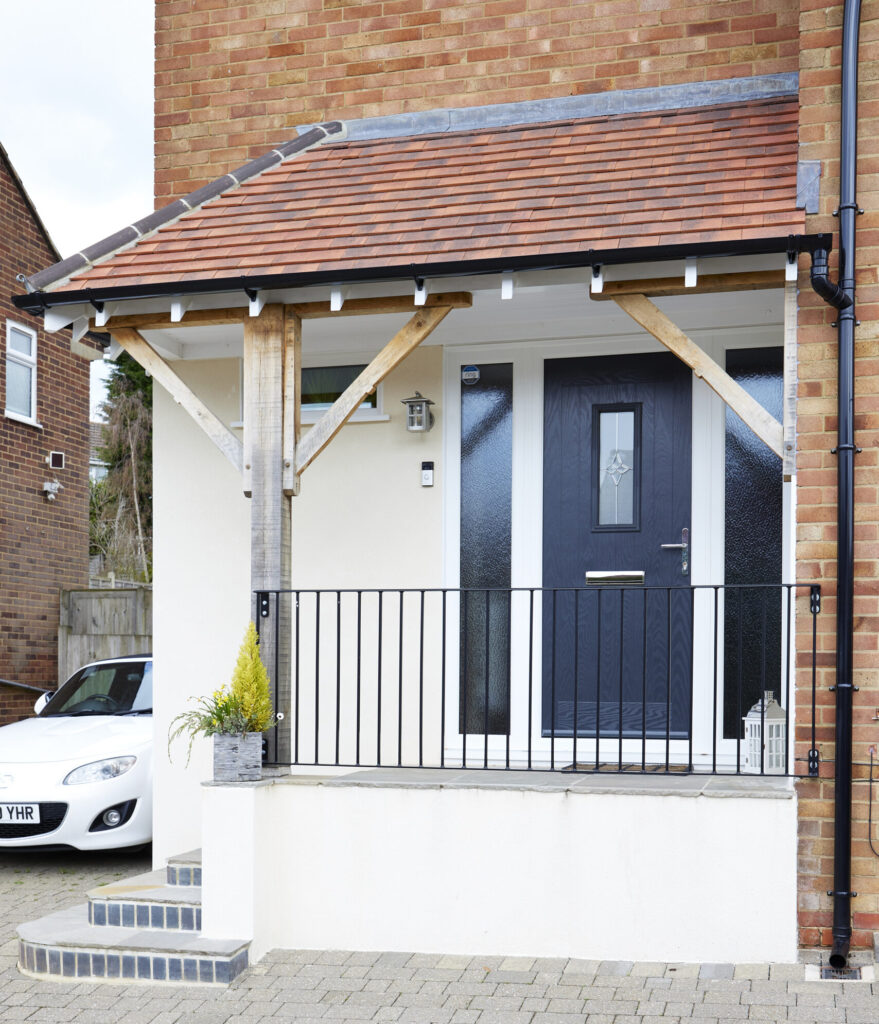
{"x":752,"y":413}
{"x":142,"y":352}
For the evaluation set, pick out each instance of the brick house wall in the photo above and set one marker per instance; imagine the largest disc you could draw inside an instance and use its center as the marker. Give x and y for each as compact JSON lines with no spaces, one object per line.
{"x":233,"y":80}
{"x":820,"y":53}
{"x":43,"y":545}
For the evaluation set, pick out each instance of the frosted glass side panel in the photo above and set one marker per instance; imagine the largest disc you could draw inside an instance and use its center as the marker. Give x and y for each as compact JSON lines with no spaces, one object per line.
{"x":616,"y":467}
{"x":486,"y":530}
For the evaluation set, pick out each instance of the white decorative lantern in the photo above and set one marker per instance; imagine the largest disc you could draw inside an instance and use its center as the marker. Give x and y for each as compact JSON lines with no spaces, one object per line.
{"x":419,"y":418}
{"x":766,"y":732}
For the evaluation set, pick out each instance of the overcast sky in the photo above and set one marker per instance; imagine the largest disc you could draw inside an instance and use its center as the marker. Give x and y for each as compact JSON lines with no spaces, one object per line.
{"x":76,"y":111}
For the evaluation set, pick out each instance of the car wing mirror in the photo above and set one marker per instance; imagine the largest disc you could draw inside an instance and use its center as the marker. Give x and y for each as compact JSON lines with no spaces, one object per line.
{"x":42,"y":701}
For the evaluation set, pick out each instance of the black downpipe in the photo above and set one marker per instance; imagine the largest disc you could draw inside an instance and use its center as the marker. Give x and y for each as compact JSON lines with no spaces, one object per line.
{"x":842,"y":296}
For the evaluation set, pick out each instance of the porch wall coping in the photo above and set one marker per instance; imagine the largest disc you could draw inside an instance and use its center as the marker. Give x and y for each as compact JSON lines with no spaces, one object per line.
{"x":738,"y":786}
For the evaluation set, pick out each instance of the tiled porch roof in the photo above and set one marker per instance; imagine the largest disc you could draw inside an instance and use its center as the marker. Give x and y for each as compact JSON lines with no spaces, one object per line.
{"x":710,"y":174}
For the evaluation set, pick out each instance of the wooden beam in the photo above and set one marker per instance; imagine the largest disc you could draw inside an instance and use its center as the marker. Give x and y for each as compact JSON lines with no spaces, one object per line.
{"x":270,"y":510}
{"x":142,"y":352}
{"x":754,"y":280}
{"x":382,"y":304}
{"x":160,"y":321}
{"x":292,"y":399}
{"x":789,"y":459}
{"x":396,"y":350}
{"x":655,"y":322}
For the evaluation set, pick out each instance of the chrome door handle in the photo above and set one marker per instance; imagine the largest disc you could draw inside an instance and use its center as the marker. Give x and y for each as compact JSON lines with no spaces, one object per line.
{"x":684,"y":548}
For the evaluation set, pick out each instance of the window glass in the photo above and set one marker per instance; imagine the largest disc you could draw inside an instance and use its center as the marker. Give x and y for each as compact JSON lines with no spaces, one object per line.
{"x":322,"y":385}
{"x":21,"y":369}
{"x":122,"y":688}
{"x":19,"y":388}
{"x":20,"y":342}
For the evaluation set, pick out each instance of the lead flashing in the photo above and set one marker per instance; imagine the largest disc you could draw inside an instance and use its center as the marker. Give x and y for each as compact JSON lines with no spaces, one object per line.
{"x":60,"y":273}
{"x":566,"y":108}
{"x":808,"y":181}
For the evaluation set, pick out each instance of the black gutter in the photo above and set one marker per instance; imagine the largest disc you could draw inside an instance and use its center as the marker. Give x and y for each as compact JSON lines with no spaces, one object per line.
{"x":791,"y":244}
{"x":842,"y":297}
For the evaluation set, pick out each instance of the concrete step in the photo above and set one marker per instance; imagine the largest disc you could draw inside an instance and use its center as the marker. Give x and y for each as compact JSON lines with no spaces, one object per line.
{"x":66,"y":945}
{"x":146,"y":901}
{"x":185,"y":869}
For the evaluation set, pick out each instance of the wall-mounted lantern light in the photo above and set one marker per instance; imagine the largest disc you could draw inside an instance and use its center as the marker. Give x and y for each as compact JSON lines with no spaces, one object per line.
{"x":419,"y":418}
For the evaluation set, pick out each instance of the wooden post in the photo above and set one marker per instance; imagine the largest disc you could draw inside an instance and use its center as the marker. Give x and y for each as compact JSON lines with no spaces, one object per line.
{"x":270,"y":524}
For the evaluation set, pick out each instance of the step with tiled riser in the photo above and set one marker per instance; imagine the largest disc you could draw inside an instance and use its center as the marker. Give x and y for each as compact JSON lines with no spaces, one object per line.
{"x":65,"y":945}
{"x":146,"y":901}
{"x":185,"y":869}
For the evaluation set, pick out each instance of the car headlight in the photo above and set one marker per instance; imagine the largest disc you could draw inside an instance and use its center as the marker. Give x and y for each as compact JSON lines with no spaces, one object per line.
{"x":97,"y":771}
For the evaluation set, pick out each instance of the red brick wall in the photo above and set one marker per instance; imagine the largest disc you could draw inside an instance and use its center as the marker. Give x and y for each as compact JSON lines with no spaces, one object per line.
{"x":232,"y":80}
{"x":821,"y":36}
{"x":43,"y":545}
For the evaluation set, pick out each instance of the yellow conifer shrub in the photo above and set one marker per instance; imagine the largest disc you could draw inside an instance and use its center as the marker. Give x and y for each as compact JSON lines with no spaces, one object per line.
{"x":250,"y":685}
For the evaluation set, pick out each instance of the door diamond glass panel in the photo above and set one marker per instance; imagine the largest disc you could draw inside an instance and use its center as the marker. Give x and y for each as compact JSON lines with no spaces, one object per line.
{"x":616,"y":468}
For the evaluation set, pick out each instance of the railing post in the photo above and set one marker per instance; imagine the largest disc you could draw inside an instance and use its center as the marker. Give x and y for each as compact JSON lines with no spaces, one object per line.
{"x":814,"y":610}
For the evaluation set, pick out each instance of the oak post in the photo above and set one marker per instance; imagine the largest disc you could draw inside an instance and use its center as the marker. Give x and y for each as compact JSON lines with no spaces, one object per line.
{"x":270,"y":525}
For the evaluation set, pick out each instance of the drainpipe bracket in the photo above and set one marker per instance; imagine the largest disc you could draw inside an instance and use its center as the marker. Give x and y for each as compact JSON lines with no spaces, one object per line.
{"x":846,"y":448}
{"x":831,"y":892}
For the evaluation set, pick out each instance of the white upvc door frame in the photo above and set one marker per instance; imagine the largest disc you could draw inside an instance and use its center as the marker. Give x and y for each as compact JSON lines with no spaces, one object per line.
{"x":707,"y":554}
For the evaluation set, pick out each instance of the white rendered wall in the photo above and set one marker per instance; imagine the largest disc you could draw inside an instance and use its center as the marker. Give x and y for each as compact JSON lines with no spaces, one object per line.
{"x":514,"y":871}
{"x":201,"y":567}
{"x":362,"y":519}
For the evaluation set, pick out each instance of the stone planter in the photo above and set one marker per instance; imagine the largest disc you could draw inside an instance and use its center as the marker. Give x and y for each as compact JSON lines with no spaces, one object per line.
{"x":237,"y":758}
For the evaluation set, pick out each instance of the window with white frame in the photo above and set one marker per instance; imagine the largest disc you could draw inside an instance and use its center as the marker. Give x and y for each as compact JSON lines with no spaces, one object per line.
{"x":21,"y":372}
{"x":322,"y":385}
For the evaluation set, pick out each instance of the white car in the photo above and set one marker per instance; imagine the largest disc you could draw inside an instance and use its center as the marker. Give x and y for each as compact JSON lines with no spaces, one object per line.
{"x":80,"y":773}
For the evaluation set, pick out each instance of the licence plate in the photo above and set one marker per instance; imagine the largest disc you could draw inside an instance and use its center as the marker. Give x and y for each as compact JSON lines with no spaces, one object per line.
{"x":20,"y":814}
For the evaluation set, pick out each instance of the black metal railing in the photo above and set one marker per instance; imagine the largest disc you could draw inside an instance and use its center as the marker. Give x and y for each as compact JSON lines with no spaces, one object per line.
{"x":601,"y":678}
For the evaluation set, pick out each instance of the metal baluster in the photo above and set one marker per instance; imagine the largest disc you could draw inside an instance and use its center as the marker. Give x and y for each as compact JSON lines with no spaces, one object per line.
{"x":552,"y":684}
{"x":668,"y":679}
{"x":443,"y":598}
{"x":359,"y":656}
{"x":692,"y":675}
{"x":338,"y":669}
{"x":762,"y":681}
{"x":530,"y":670}
{"x":317,"y":597}
{"x":421,"y":685}
{"x":486,"y":663}
{"x":714,"y":723}
{"x":644,"y":689}
{"x":620,"y":737}
{"x":508,"y":672}
{"x":378,"y":738}
{"x":576,"y":670}
{"x":465,"y":680}
{"x":400,"y":686}
{"x":739,"y":689}
{"x":787,"y":735}
{"x":296,"y":685}
{"x":598,"y":692}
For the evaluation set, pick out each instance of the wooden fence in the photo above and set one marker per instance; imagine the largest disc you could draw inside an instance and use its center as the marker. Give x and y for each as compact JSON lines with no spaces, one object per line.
{"x":98,"y":624}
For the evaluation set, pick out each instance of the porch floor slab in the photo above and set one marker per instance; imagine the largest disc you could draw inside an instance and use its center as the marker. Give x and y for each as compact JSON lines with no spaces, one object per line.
{"x":634,"y":784}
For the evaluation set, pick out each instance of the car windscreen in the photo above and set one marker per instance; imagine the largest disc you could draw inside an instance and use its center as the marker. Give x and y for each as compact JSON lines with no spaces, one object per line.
{"x":123,"y":688}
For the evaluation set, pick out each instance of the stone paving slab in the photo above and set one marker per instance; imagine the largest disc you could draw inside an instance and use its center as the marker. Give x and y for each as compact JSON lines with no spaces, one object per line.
{"x":323,"y":986}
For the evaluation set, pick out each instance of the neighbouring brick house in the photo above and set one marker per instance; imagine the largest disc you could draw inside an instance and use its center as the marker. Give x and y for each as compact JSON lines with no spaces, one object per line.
{"x":423,"y":85}
{"x":45,"y":389}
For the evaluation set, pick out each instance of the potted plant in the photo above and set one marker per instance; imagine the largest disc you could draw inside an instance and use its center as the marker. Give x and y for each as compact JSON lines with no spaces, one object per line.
{"x":235,"y":715}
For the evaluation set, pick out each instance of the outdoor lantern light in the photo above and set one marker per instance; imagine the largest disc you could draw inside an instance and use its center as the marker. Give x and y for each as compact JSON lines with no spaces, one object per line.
{"x":419,"y":418}
{"x":766,"y":731}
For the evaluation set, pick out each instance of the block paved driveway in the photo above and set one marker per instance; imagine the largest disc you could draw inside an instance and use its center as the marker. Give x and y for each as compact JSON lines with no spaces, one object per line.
{"x":409,"y":988}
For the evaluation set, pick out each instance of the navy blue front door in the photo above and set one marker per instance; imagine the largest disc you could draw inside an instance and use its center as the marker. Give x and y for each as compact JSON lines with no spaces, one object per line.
{"x":617,"y":660}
